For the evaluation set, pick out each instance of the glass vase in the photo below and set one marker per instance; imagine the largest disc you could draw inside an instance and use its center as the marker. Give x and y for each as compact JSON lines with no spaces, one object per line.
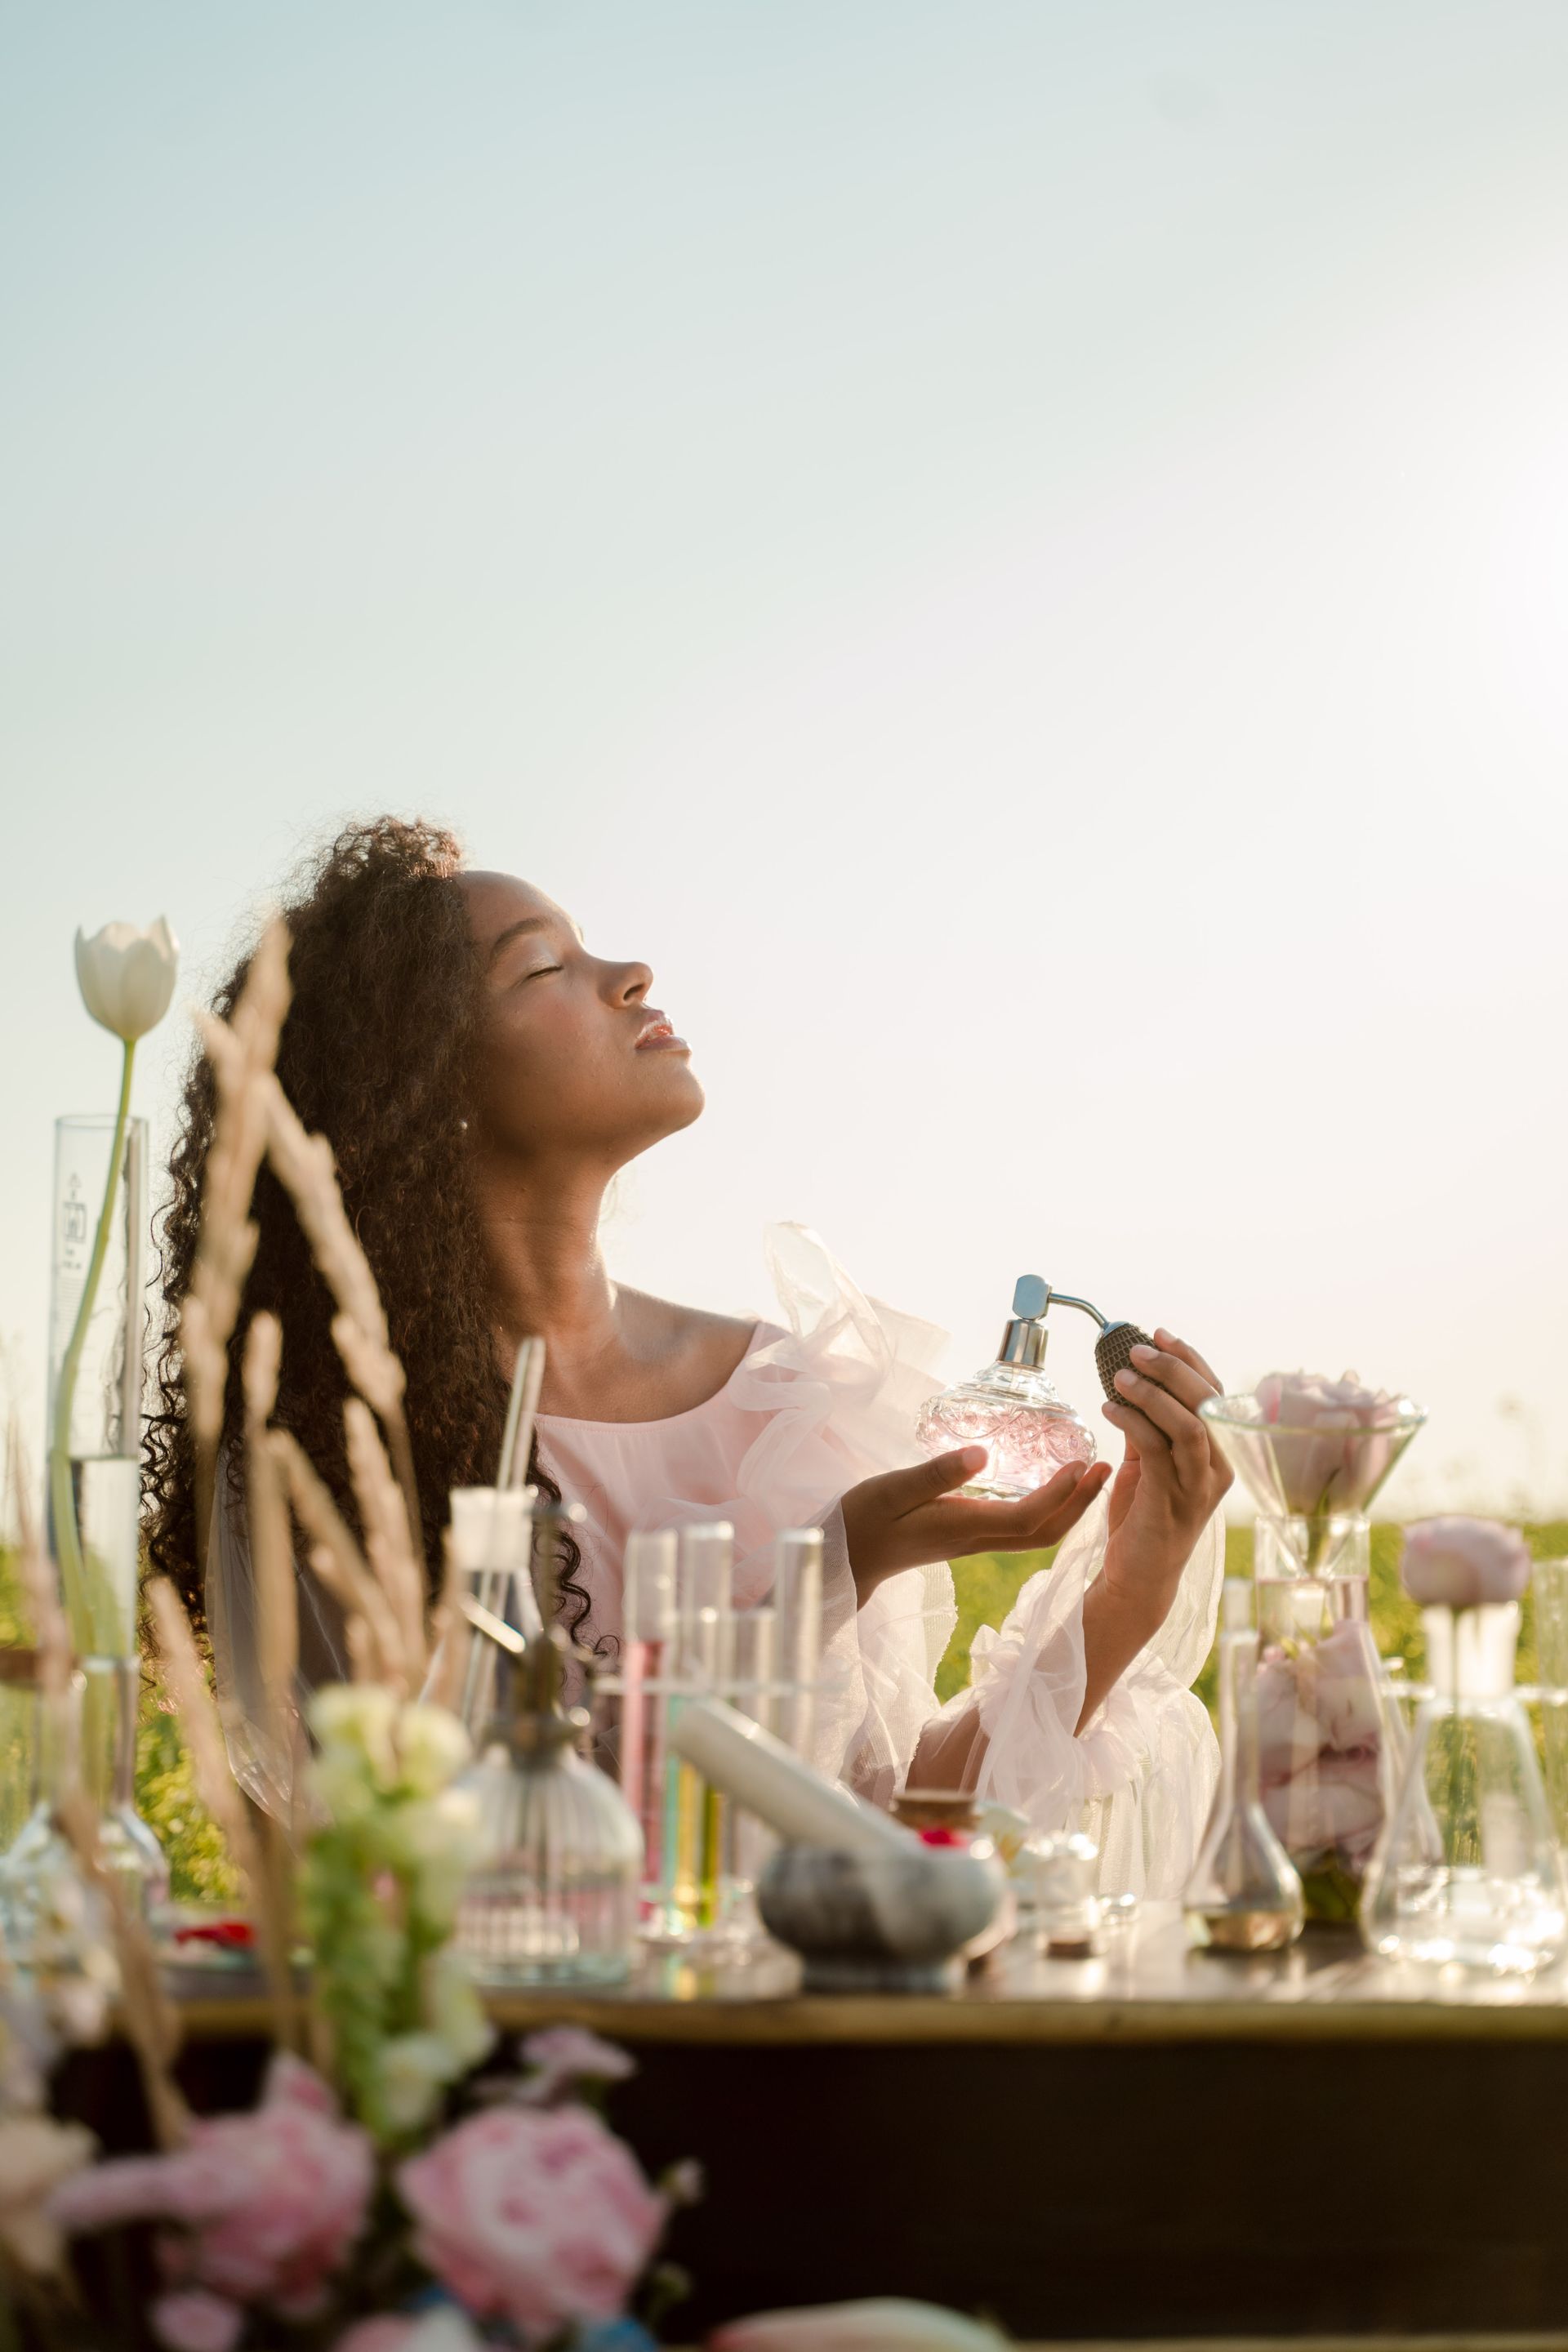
{"x":100,"y":1554}
{"x":1327,"y":1745}
{"x":1467,"y":1873}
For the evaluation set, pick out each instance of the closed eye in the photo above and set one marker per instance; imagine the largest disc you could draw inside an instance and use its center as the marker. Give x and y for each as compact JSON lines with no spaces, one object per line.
{"x":536,"y":973}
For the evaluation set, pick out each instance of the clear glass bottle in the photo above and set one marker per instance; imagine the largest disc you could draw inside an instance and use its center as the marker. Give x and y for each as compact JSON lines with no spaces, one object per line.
{"x":104,"y":1366}
{"x":1011,"y":1408}
{"x":553,"y":1897}
{"x":1467,"y":1873}
{"x":1243,"y":1894}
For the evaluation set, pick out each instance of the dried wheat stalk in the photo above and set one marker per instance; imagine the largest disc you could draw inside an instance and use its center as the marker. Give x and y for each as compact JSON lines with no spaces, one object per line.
{"x":219,"y":1791}
{"x":304,"y":1165}
{"x":337,"y":1561}
{"x":150,"y":2018}
{"x":241,"y":1050}
{"x":385,"y":1520}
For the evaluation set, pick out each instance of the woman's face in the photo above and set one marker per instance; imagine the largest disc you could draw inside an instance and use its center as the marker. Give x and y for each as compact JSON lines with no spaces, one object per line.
{"x":573,"y":1060}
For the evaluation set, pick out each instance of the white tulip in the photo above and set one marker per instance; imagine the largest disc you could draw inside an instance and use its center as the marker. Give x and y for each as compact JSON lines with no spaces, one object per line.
{"x":127,"y":976}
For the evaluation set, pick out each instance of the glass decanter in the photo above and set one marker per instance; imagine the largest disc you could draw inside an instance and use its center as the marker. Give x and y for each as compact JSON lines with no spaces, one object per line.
{"x":1011,"y":1408}
{"x":1243,"y":1894}
{"x":1467,"y":1872}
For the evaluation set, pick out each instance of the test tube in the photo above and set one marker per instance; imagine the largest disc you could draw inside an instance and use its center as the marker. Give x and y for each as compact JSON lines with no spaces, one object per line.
{"x":797,"y":1604}
{"x":753,"y":1689}
{"x":647,"y":1646}
{"x":692,"y":1838}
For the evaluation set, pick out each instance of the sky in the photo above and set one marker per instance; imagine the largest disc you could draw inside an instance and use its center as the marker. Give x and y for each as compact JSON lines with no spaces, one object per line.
{"x":1017,"y":553}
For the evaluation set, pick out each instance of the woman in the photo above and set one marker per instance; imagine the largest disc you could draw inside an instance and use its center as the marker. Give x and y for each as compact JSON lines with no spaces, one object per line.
{"x":481,"y":1076}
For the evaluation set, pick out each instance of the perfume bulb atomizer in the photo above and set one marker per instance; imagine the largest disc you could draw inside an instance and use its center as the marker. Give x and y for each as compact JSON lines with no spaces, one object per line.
{"x":1025,"y":1337}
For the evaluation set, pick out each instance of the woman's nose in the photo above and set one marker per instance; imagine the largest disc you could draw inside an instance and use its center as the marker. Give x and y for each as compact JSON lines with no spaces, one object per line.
{"x":629,"y":983}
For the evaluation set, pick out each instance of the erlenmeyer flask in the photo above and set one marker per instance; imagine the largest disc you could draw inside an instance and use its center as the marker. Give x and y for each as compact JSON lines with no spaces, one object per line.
{"x":1467,"y":1872}
{"x":1243,"y":1894}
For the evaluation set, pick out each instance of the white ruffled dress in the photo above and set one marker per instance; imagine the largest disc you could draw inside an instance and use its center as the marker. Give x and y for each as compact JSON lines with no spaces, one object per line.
{"x":810,"y":1411}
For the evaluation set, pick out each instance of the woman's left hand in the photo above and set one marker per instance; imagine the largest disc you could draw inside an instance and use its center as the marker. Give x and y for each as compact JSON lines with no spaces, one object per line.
{"x":1172,"y":1479}
{"x":909,"y":1517}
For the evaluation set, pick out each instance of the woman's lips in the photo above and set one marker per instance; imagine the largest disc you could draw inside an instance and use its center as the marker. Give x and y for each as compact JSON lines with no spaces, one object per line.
{"x":659,"y":1037}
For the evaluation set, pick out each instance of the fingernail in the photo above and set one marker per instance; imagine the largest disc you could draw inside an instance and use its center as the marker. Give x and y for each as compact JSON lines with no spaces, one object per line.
{"x":1125,"y":1379}
{"x":1164,"y":1336}
{"x":974,"y":1457}
{"x":1147,"y":1354}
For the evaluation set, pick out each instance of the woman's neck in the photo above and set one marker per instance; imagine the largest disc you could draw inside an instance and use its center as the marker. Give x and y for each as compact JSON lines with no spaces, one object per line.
{"x":550,"y":1280}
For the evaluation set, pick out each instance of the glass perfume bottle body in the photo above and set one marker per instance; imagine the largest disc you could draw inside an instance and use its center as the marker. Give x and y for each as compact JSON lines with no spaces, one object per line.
{"x":1013,"y":1410}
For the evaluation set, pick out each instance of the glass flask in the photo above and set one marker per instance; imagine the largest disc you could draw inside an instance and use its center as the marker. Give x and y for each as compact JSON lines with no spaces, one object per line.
{"x":101,"y":1362}
{"x":53,"y":1919}
{"x":1549,"y":1584}
{"x":551,"y":1899}
{"x":1467,"y":1872}
{"x":552,"y":1896}
{"x":1011,"y":1408}
{"x":1243,"y":1894}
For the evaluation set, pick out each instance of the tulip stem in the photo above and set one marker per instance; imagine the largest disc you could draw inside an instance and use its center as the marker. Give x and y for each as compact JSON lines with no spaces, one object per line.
{"x":62,"y":1499}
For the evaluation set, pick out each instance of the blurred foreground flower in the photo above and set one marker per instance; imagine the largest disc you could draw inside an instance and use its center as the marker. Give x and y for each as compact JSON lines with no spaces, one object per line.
{"x":538,"y":2216}
{"x":37,"y":2154}
{"x":883,"y":2324}
{"x":270,"y":2205}
{"x":1463,"y":1563}
{"x":126,"y":976}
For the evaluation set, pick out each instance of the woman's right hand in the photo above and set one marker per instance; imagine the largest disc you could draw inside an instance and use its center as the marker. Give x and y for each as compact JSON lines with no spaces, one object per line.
{"x":906,"y":1517}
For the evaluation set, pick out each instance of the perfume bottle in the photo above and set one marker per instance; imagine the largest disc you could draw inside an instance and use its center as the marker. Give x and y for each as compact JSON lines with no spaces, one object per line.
{"x":1011,"y":1408}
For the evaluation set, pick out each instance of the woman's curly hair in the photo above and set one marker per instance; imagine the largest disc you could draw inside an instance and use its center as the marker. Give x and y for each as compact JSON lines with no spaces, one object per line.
{"x":376,"y":1055}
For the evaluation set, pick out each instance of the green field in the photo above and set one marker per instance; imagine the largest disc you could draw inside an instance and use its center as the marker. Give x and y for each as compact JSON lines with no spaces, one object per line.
{"x":986,"y":1588}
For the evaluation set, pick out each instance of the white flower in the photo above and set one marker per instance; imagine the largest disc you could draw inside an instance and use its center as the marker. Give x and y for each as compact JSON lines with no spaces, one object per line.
{"x":359,"y":1720}
{"x":433,"y":1747}
{"x":436,"y":1841}
{"x":36,"y":2155}
{"x":415,"y":2069}
{"x":454,"y":2012}
{"x":127,"y":976}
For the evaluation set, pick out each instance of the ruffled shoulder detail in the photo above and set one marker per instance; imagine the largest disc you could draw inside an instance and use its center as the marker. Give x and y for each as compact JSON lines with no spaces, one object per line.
{"x":841,"y":1384}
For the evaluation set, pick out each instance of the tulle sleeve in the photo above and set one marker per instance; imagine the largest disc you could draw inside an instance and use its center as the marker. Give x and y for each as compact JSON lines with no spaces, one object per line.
{"x":841,"y":1389}
{"x":848,"y":1382}
{"x":1139,"y":1776}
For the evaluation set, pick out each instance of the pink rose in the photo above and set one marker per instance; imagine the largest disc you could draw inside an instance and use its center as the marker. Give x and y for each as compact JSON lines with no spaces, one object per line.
{"x":1336,"y":1803}
{"x":191,"y":2320}
{"x":1339,"y":1460}
{"x":1289,"y":1733}
{"x":883,"y":2324}
{"x":270,"y":2203}
{"x":564,"y":2055}
{"x":539,"y":2215}
{"x":388,"y":2333}
{"x":1344,"y":1694}
{"x":1464,"y":1563}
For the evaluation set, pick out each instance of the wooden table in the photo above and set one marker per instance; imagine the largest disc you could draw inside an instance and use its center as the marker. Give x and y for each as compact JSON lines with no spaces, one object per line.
{"x":1152,"y":2143}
